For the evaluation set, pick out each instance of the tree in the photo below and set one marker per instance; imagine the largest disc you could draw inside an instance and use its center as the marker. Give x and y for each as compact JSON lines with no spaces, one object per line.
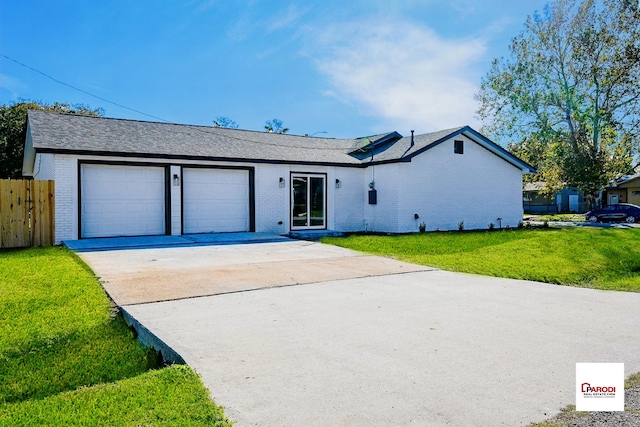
{"x":275,"y":126}
{"x":225,"y":122}
{"x":568,"y":98}
{"x":13,"y":119}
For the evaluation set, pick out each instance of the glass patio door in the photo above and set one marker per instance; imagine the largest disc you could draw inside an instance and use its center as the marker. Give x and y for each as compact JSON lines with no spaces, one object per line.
{"x":308,"y":201}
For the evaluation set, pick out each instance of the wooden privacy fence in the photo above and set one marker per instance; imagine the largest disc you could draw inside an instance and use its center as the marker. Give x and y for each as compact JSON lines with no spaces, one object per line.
{"x":26,"y":213}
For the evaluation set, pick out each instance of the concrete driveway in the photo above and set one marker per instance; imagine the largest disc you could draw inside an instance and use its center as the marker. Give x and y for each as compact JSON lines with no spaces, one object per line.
{"x":384,"y":345}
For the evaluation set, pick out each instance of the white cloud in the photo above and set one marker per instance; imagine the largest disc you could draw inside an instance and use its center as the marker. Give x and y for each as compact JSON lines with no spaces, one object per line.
{"x":404,"y":73}
{"x":11,"y":85}
{"x":464,"y":7}
{"x":251,"y":20}
{"x":201,"y":6}
{"x":285,"y":18}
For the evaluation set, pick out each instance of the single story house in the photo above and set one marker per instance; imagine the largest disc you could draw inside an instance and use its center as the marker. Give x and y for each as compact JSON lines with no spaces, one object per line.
{"x":117,"y":177}
{"x":567,"y":200}
{"x":625,"y":189}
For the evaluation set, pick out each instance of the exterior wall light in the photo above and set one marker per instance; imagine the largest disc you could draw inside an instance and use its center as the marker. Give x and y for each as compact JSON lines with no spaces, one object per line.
{"x":281,"y":182}
{"x":176,"y":179}
{"x":338,"y":183}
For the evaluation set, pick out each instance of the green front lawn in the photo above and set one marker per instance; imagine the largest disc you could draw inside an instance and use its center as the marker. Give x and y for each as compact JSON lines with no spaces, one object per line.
{"x":67,"y":358}
{"x":595,"y":258}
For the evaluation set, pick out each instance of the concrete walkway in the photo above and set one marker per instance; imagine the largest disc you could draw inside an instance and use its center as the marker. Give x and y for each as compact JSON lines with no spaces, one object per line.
{"x":425,"y":348}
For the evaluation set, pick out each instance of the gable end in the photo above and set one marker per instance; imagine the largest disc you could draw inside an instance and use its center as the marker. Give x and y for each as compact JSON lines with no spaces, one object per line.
{"x":483,"y":142}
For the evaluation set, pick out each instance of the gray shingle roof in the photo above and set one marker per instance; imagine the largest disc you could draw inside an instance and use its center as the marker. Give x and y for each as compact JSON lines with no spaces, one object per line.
{"x":624,"y":179}
{"x":52,"y":132}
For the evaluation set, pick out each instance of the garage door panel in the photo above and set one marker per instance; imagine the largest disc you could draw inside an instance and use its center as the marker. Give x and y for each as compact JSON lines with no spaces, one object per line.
{"x":135,"y":174}
{"x":215,"y":200}
{"x":135,"y":209}
{"x":90,"y":228}
{"x":122,"y":200}
{"x":155,"y":208}
{"x":91,"y":209}
{"x":153,"y":226}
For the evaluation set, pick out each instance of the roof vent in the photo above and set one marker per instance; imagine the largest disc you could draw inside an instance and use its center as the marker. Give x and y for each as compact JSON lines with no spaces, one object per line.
{"x":412,"y":142}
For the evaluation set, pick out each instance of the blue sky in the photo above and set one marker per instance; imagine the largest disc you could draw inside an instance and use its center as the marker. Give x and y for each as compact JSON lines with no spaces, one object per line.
{"x":349,"y":68}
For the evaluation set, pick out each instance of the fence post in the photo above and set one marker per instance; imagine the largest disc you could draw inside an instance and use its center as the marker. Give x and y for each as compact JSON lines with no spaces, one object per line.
{"x":42,"y":213}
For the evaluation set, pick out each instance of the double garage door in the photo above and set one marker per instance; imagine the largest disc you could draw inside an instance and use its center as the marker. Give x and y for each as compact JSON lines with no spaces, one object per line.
{"x":133,"y":200}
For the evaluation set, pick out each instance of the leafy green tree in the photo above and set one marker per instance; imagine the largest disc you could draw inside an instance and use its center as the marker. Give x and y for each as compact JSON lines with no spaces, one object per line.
{"x":13,"y":119}
{"x":225,"y":122}
{"x":275,"y":126}
{"x":568,"y":98}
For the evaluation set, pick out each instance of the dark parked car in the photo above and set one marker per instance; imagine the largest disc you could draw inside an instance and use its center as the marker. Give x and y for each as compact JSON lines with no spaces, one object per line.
{"x":620,"y":212}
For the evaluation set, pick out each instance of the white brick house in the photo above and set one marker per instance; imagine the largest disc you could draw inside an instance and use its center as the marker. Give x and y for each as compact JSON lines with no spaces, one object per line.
{"x":126,"y":178}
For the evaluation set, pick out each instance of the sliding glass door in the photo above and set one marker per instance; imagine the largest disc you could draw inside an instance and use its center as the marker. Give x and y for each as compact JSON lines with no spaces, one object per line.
{"x":308,"y":201}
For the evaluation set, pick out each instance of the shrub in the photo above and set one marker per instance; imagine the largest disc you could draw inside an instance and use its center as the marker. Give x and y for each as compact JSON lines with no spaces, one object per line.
{"x":492,"y":226}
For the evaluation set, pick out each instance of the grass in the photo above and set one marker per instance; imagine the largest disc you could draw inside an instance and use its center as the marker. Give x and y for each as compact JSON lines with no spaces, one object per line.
{"x":633,"y":381}
{"x":66,"y":357}
{"x":558,"y":217}
{"x":595,"y":258}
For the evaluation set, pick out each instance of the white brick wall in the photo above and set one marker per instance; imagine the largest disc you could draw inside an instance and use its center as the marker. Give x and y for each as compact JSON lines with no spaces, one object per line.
{"x":66,"y":198}
{"x":383,"y":216}
{"x":176,"y":201}
{"x":272,"y":202}
{"x":349,"y":200}
{"x":345,"y":205}
{"x":444,"y":188}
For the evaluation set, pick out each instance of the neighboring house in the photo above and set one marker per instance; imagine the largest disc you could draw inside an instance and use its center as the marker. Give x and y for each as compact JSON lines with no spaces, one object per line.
{"x":567,"y":200}
{"x":625,"y":189}
{"x":118,"y":177}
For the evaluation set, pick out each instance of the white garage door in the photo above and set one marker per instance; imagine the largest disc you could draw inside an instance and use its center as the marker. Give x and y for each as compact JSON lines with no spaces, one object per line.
{"x":122,"y":201}
{"x":215,"y":200}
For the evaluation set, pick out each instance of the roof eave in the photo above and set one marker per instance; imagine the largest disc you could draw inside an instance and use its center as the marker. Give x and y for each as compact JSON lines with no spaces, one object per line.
{"x":194,"y":158}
